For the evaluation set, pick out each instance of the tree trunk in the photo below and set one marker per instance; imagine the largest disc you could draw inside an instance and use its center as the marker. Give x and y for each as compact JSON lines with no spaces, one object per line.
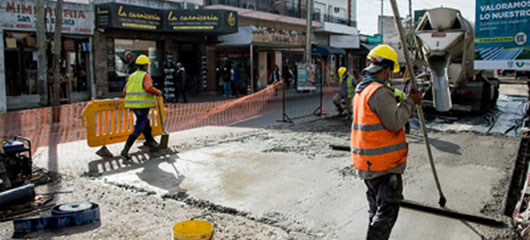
{"x":42,"y":44}
{"x":57,"y":59}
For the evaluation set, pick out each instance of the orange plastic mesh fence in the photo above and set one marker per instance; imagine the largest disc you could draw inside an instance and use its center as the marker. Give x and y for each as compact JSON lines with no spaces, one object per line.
{"x":37,"y":124}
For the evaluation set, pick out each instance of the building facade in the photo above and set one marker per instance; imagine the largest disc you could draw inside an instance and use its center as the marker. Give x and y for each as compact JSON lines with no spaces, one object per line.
{"x":19,"y":86}
{"x":164,"y":31}
{"x":272,"y":33}
{"x":338,"y":33}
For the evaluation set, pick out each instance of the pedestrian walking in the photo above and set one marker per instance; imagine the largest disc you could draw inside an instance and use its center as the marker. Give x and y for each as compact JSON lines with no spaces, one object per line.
{"x":276,"y":75}
{"x":227,"y":79}
{"x":180,"y":83}
{"x":243,"y":78}
{"x":378,"y":144}
{"x":287,"y":75}
{"x":139,"y":98}
{"x":234,"y":72}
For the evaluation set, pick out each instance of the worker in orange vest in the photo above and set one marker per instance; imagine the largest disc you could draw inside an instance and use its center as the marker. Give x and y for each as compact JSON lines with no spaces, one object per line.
{"x":378,"y":145}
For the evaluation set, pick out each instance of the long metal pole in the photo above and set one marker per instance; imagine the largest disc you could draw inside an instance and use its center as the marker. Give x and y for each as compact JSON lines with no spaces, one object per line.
{"x":252,"y":68}
{"x":309,"y":18}
{"x":382,"y":20}
{"x":410,"y":70}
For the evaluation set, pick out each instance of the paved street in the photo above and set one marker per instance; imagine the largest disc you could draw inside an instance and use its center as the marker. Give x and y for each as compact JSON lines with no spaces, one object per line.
{"x":282,"y":179}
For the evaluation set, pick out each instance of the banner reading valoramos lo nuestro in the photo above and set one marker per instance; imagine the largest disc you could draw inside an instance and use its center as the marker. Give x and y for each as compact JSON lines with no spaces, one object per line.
{"x":501,"y":34}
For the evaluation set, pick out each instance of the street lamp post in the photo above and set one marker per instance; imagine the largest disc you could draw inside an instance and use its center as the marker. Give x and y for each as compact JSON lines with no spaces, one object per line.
{"x":309,"y":18}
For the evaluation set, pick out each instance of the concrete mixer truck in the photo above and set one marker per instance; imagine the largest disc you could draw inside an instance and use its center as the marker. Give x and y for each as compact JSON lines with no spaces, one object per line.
{"x":445,"y":44}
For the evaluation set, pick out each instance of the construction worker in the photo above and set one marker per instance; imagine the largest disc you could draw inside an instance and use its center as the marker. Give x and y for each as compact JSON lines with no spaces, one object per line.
{"x":139,"y":98}
{"x":378,"y":145}
{"x":345,"y":93}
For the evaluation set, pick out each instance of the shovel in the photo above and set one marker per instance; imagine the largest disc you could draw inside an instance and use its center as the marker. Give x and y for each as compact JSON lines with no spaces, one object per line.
{"x":165,"y":137}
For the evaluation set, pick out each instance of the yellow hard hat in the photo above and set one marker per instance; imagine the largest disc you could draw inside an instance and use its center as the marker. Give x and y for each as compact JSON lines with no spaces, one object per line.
{"x":142,"y":60}
{"x":341,"y":71}
{"x":379,"y":54}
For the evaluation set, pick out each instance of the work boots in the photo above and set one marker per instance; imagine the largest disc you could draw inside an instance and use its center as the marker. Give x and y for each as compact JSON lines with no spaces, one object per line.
{"x":150,"y":142}
{"x":125,"y":152}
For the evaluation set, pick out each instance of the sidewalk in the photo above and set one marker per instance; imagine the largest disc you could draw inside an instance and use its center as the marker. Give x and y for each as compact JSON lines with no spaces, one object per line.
{"x":290,"y":94}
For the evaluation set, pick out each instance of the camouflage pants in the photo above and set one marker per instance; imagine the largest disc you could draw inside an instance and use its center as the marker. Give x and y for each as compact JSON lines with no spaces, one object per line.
{"x":384,"y":196}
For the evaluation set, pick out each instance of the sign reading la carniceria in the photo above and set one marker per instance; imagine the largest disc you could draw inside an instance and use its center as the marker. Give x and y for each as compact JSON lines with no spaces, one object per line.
{"x":21,"y":16}
{"x":123,"y":16}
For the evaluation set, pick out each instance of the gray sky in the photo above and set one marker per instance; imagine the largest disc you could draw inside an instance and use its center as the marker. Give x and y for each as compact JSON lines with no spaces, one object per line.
{"x":368,"y":10}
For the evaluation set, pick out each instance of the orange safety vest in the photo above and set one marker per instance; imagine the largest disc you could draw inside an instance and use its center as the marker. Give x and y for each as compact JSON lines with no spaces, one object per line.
{"x":373,"y":147}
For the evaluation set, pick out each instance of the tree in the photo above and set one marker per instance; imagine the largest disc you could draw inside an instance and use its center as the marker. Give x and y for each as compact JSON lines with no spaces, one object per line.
{"x":57,"y":58}
{"x":42,"y":64}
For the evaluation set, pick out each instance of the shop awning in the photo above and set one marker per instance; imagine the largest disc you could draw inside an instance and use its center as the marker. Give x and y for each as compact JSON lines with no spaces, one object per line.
{"x":325,"y":50}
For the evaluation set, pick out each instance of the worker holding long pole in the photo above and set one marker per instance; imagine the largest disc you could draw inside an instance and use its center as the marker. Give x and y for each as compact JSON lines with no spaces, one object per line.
{"x":378,"y":144}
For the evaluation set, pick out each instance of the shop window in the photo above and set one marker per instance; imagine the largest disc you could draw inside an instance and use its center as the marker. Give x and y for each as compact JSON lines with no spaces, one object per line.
{"x":74,"y":64}
{"x":20,"y":64}
{"x":125,"y":53}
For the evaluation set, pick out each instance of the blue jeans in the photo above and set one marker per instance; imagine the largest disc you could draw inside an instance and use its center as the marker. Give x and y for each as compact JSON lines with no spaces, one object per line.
{"x":142,"y":124}
{"x":227,"y":89}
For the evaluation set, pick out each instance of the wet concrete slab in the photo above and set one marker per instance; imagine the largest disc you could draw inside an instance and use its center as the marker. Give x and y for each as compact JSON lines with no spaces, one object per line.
{"x":308,"y":190}
{"x":288,"y":177}
{"x":76,"y":158}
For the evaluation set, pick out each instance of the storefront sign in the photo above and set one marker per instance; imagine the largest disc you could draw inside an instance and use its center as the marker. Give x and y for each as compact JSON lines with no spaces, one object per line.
{"x":201,"y":21}
{"x":344,"y":41}
{"x":20,"y":15}
{"x":128,"y":17}
{"x":278,"y":37}
{"x":501,"y":34}
{"x":113,"y":15}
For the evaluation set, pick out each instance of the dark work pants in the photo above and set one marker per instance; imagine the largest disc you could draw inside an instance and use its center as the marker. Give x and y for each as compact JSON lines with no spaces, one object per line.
{"x":384,"y":196}
{"x":142,"y":124}
{"x":178,"y":91}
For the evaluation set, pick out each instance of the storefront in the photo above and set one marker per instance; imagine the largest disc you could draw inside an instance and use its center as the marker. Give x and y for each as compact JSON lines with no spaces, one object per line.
{"x":261,"y":47}
{"x":18,"y":54}
{"x":126,"y":31}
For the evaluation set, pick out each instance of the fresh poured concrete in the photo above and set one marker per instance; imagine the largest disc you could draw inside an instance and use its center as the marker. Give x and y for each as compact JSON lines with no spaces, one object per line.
{"x":292,"y":179}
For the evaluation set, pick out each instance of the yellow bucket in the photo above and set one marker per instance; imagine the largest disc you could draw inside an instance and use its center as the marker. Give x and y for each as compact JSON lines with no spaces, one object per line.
{"x":193,"y":230}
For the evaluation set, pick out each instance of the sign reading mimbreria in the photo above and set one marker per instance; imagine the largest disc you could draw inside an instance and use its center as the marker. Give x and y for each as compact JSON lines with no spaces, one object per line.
{"x":122,"y":16}
{"x":501,"y":34}
{"x":20,"y":15}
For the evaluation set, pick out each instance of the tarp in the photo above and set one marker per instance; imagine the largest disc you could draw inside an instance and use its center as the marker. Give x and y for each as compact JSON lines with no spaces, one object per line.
{"x":505,"y":119}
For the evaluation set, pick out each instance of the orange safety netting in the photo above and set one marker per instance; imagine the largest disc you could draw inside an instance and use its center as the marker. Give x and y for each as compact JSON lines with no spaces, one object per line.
{"x":38,"y":126}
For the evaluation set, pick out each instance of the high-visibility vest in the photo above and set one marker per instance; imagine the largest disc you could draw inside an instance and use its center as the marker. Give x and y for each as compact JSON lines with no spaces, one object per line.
{"x":349,"y":83}
{"x":135,"y":94}
{"x":373,"y":147}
